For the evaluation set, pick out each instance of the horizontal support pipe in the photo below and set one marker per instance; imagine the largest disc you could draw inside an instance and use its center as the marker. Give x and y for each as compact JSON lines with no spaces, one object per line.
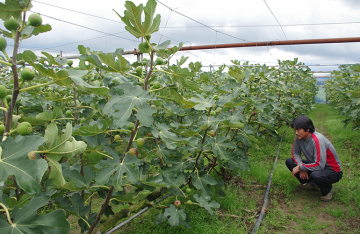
{"x":274,"y":43}
{"x":254,"y":44}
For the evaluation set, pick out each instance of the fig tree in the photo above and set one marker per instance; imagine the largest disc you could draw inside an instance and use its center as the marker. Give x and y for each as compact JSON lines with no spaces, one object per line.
{"x":133,"y":151}
{"x":212,"y":133}
{"x":2,"y":43}
{"x":177,"y":203}
{"x":32,"y":155}
{"x":140,"y":142}
{"x":27,"y":74}
{"x":12,"y":24}
{"x":35,"y":20}
{"x":2,"y":91}
{"x":24,"y":128}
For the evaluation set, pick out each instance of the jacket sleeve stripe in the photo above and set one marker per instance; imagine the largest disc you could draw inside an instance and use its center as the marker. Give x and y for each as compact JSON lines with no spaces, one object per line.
{"x":317,"y":145}
{"x":292,"y":152}
{"x":332,"y":161}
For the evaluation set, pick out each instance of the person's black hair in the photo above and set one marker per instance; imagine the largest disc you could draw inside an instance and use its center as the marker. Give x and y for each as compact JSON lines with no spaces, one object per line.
{"x":303,"y":122}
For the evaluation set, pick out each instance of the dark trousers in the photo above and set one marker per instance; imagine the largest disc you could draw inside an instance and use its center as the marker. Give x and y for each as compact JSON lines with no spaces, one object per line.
{"x":323,"y":178}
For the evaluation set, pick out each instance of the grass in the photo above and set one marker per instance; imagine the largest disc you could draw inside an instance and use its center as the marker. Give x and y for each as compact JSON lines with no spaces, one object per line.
{"x":290,"y":209}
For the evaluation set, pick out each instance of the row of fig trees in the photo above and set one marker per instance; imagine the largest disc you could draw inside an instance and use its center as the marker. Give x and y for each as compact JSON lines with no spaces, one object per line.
{"x":343,"y":92}
{"x":128,"y":133}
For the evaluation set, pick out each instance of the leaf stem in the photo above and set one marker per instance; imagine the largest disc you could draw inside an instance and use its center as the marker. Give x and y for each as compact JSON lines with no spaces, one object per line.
{"x":103,"y":154}
{"x":99,"y":186}
{"x":7,"y":214}
{"x":118,"y":130}
{"x":4,"y":62}
{"x":84,"y":221}
{"x":38,"y":85}
{"x":89,"y":197}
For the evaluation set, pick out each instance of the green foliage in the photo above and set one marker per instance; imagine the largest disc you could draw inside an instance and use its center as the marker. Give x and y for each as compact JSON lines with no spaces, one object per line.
{"x":27,"y":221}
{"x":76,"y":112}
{"x":342,"y":91}
{"x":132,"y":18}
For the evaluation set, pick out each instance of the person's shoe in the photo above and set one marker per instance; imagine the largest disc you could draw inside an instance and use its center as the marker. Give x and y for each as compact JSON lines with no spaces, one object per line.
{"x":309,"y":186}
{"x":327,"y":197}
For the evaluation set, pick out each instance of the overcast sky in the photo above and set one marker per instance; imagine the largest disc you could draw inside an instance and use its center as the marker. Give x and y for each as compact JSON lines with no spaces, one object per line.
{"x":94,"y":24}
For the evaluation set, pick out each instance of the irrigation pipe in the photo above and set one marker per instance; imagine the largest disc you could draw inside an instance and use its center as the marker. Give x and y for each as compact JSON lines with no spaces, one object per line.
{"x":263,"y":209}
{"x":139,"y":213}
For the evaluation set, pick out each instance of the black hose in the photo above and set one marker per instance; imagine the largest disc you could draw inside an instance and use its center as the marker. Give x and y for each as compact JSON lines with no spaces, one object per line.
{"x":263,"y":209}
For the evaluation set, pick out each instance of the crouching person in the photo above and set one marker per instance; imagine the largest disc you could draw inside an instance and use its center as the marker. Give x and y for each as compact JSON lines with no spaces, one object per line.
{"x":322,"y":167}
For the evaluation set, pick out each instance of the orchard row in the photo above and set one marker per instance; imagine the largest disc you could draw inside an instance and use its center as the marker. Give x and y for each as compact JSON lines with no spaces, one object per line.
{"x":343,"y":92}
{"x":124,"y":132}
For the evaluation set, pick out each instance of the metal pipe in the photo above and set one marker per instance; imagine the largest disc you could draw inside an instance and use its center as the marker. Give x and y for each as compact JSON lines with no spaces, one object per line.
{"x":274,"y":43}
{"x":254,"y":44}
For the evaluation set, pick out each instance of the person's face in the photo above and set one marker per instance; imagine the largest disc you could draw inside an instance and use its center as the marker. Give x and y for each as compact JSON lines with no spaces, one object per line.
{"x":301,"y":134}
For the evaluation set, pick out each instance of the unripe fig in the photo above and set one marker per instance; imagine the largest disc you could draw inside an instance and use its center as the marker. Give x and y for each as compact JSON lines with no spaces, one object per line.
{"x":2,"y":91}
{"x":32,"y":155}
{"x":189,"y":202}
{"x":133,"y":151}
{"x":145,"y":61}
{"x":11,"y":24}
{"x":159,"y":61}
{"x":131,"y":126}
{"x":3,"y":44}
{"x":24,"y":128}
{"x":68,"y":112}
{"x":188,"y":190}
{"x":70,"y":63}
{"x":8,"y":98}
{"x":156,"y":85}
{"x":148,"y":36}
{"x":35,"y":20}
{"x":212,"y":133}
{"x":27,"y":74}
{"x":140,"y":142}
{"x":2,"y":129}
{"x":145,"y":45}
{"x":117,"y":138}
{"x":177,"y":203}
{"x":82,"y":120}
{"x":139,"y":69}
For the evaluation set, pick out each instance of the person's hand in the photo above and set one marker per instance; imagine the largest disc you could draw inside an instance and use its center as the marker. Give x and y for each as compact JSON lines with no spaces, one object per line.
{"x":295,"y":170}
{"x":304,"y":175}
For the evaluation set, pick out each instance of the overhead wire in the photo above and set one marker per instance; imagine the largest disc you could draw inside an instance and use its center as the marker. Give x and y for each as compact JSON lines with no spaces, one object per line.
{"x":268,"y":25}
{"x":96,"y":16}
{"x":279,"y":24}
{"x":110,"y":34}
{"x":200,"y":22}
